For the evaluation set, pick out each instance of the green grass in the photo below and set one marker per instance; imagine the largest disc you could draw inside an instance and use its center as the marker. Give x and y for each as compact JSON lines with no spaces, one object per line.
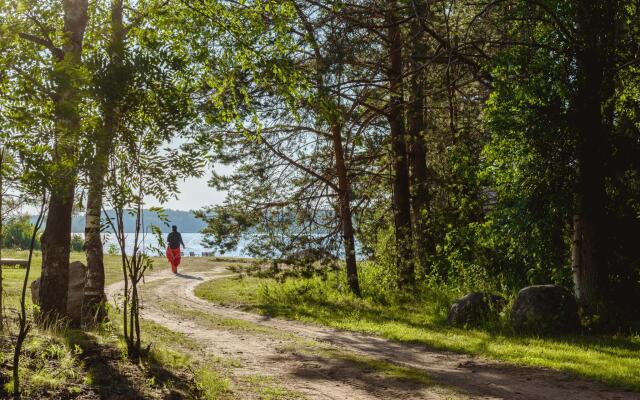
{"x":51,"y":360}
{"x":217,"y":321}
{"x":13,"y":276}
{"x":47,"y":364}
{"x":267,"y":388}
{"x":212,"y":384}
{"x":384,"y":368}
{"x":174,"y":350}
{"x":610,"y":359}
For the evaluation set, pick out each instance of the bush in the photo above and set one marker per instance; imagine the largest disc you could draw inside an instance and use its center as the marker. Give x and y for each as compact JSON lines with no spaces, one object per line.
{"x":77,"y":242}
{"x":113,"y":249}
{"x":17,"y":233}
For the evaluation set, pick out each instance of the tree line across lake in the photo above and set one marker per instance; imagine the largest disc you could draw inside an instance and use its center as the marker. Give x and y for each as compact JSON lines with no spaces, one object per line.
{"x":477,"y":144}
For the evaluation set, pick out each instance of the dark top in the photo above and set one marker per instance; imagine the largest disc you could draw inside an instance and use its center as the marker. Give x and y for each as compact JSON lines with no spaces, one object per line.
{"x":175,"y":240}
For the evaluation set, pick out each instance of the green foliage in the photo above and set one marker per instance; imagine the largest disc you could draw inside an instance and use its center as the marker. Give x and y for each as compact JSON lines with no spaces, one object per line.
{"x":77,"y":242}
{"x":113,"y":249}
{"x":528,"y":160}
{"x":17,"y":233}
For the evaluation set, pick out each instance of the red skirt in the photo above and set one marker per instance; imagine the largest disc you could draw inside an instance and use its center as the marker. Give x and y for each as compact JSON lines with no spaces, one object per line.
{"x":173,"y":255}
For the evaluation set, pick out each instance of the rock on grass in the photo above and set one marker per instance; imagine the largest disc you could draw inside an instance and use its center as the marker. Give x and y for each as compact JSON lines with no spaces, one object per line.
{"x":545,"y":309}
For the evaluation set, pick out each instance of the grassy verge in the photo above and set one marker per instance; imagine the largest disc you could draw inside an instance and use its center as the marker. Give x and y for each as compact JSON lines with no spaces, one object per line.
{"x":13,"y":276}
{"x":208,"y":378}
{"x":212,"y":378}
{"x":69,"y":363}
{"x":93,"y":365}
{"x":421,"y":319}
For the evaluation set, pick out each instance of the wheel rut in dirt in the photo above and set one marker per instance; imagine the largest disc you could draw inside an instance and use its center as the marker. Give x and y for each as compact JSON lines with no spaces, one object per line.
{"x":307,"y":358}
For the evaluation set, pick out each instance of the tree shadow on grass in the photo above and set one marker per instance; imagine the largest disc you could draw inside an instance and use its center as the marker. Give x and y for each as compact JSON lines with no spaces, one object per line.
{"x":374,"y":377}
{"x":111,"y":376}
{"x":332,"y":313}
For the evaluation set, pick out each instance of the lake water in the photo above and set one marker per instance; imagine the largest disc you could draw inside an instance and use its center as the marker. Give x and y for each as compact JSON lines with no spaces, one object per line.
{"x":192,"y":241}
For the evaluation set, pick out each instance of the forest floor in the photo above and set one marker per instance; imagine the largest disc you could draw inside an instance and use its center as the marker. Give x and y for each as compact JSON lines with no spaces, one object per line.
{"x":269,"y":358}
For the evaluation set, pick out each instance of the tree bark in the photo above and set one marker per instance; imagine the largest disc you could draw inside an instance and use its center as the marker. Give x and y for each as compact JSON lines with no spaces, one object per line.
{"x":345,"y":211}
{"x":594,"y":59}
{"x":344,"y":188}
{"x":418,"y":152}
{"x":92,"y":306}
{"x":57,"y":234}
{"x":55,"y":255}
{"x":401,"y":189}
{"x":94,"y":296}
{"x":1,"y":236}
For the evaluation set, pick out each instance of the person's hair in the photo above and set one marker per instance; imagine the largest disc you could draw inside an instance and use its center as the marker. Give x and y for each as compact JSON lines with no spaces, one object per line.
{"x":174,"y":228}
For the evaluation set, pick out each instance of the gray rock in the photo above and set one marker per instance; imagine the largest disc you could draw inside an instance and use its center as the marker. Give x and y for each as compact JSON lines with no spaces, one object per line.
{"x":35,"y":291}
{"x":545,"y":309}
{"x":475,"y":308}
{"x":75,"y":291}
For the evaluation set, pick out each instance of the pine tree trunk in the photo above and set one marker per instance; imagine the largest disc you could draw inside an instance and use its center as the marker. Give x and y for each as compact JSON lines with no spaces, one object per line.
{"x":418,"y":152}
{"x":401,"y":190}
{"x":594,"y":27}
{"x":344,"y":189}
{"x":345,"y":211}
{"x":57,"y":234}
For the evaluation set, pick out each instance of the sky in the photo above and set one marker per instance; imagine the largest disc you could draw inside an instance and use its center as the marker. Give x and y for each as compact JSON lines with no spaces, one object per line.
{"x":194,"y":194}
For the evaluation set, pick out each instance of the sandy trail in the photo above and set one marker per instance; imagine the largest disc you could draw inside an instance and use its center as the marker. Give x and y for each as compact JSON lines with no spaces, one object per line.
{"x":319,"y":376}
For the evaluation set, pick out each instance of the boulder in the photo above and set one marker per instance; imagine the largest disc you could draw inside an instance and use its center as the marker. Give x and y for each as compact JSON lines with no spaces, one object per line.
{"x":35,"y":291}
{"x":75,"y":291}
{"x":545,"y":309}
{"x":475,"y":308}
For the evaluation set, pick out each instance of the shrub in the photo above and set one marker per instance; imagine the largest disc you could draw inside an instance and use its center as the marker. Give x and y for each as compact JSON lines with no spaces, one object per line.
{"x":17,"y":233}
{"x":77,"y":242}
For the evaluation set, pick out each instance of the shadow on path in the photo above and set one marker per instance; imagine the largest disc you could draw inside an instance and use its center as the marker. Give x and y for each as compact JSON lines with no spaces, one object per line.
{"x":185,"y":276}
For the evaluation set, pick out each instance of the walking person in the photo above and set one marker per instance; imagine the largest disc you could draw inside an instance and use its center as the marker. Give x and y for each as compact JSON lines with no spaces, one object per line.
{"x":174,"y":240}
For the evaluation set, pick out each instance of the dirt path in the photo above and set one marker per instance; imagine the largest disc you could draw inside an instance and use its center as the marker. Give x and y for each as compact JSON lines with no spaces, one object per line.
{"x":288,"y":352}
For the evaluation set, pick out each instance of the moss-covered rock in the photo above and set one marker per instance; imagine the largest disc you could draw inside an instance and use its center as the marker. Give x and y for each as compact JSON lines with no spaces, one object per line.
{"x":475,"y":308}
{"x":545,"y":309}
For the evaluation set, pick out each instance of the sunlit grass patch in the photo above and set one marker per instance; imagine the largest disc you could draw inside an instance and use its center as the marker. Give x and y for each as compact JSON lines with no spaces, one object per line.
{"x":46,"y":364}
{"x":267,"y":388}
{"x":217,"y":321}
{"x":232,"y":291}
{"x":13,"y":277}
{"x":212,"y":385}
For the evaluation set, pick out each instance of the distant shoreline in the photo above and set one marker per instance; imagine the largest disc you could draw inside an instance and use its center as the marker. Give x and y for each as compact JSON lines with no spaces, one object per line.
{"x":185,"y":220}
{"x":130,"y":233}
